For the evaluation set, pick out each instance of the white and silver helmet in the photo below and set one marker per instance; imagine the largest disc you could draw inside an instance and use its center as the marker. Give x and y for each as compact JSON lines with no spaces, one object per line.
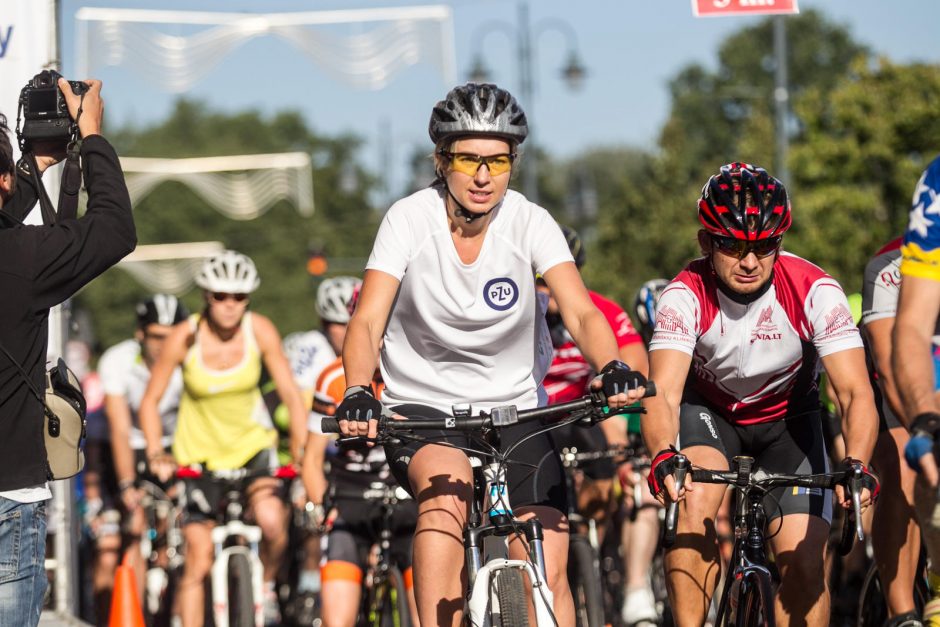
{"x":478,"y":109}
{"x":333,"y":297}
{"x":230,"y":272}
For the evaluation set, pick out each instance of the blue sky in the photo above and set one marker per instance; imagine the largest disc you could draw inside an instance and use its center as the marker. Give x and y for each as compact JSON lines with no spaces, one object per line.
{"x":630,"y":47}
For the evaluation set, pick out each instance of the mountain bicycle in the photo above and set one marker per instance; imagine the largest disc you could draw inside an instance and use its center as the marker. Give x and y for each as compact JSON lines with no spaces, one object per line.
{"x":747,"y":596}
{"x":497,"y":589}
{"x":236,"y":577}
{"x":385,"y":602}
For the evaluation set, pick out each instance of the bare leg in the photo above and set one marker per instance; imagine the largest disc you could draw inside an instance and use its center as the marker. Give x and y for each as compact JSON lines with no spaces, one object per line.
{"x":196,"y":567}
{"x":799,"y":544}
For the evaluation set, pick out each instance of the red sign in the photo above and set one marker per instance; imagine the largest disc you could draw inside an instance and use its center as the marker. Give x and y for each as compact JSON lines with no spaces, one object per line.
{"x":711,"y":8}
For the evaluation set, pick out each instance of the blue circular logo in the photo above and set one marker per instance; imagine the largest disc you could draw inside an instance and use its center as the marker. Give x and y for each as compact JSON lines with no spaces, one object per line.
{"x":501,"y":293}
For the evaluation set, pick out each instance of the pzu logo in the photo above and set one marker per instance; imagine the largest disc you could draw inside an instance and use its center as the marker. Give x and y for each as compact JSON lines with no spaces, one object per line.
{"x":501,"y":293}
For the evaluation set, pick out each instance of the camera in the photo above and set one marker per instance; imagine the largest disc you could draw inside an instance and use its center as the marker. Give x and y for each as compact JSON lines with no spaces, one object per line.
{"x":45,"y":115}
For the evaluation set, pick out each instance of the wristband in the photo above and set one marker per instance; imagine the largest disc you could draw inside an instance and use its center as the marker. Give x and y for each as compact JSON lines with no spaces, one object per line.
{"x":126,"y":485}
{"x":927,"y":423}
{"x":353,"y":389}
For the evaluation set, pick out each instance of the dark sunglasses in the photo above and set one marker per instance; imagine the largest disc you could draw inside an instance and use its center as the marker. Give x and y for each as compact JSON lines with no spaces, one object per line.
{"x":221,"y":297}
{"x":741,"y":248}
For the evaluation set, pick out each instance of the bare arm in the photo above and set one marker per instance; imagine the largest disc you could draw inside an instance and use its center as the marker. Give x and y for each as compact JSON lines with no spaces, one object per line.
{"x":918,"y":306}
{"x":366,"y":327}
{"x":312,"y":471}
{"x":660,"y":425}
{"x":849,"y":377}
{"x":269,"y":341}
{"x":119,"y":421}
{"x":172,"y":355}
{"x":586,"y":324}
{"x":879,"y":333}
{"x":634,"y":355}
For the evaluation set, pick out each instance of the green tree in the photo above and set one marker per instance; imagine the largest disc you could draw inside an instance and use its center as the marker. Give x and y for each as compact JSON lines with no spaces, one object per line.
{"x":863,"y":146}
{"x":343,"y":225}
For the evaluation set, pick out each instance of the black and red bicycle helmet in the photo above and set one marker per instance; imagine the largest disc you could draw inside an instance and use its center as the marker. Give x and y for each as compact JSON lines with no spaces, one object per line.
{"x":744,"y":202}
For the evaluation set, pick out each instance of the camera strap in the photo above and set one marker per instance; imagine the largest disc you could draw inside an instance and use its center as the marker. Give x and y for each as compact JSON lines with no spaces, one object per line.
{"x":32,"y":387}
{"x":68,"y":189}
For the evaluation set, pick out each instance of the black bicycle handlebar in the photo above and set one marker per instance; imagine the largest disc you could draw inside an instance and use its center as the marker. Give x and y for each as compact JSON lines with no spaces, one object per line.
{"x":852,"y":479}
{"x":497,"y":417}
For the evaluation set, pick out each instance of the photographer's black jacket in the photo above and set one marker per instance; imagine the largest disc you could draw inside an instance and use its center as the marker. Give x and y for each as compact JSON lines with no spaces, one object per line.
{"x":40,"y":267}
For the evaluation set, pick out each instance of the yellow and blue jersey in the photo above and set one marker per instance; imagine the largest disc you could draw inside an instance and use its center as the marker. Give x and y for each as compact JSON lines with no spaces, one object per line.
{"x":920,"y":254}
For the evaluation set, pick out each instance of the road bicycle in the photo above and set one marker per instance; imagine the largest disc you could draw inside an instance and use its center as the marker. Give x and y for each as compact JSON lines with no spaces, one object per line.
{"x":497,"y":588}
{"x":385,"y":598}
{"x":747,"y":596}
{"x":236,"y":578}
{"x":161,"y":545}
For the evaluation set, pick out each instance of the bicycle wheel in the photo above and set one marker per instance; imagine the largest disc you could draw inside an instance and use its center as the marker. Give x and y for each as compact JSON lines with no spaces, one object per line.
{"x":755,"y":602}
{"x":584,"y":579}
{"x":510,"y":591}
{"x":390,"y":607}
{"x":241,"y":606}
{"x":872,"y":609}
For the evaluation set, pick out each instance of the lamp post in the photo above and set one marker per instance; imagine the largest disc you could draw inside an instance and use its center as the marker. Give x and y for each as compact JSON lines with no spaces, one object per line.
{"x":573,"y":73}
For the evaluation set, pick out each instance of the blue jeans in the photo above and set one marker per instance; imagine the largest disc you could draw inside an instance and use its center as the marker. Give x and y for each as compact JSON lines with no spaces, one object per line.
{"x":22,"y":561}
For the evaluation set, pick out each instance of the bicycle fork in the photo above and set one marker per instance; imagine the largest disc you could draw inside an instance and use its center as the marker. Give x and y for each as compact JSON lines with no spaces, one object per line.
{"x":482,"y":576}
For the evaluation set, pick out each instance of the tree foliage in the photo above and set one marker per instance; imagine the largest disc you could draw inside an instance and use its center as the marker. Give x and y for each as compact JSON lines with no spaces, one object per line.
{"x":343,"y":225}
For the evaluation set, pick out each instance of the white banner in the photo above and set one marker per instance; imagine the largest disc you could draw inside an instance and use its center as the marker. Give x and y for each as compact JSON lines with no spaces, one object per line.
{"x":27,"y":45}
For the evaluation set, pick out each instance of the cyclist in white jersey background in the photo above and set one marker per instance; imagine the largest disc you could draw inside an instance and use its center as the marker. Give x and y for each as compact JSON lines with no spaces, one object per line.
{"x":734,"y":354}
{"x":450,"y":287}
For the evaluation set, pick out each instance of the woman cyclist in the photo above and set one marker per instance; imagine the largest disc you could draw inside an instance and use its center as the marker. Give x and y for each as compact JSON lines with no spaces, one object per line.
{"x":222,"y":422}
{"x":450,"y":287}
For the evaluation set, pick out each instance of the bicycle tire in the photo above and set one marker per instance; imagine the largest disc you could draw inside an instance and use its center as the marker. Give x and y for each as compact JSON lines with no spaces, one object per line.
{"x":510,"y":591}
{"x":389,"y":607}
{"x":241,"y":606}
{"x":755,"y":602}
{"x":584,"y":579}
{"x":872,"y":609}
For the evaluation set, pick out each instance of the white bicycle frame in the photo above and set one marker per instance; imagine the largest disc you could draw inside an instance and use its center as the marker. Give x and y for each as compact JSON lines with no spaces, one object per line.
{"x":482,"y":603}
{"x":252,"y":535}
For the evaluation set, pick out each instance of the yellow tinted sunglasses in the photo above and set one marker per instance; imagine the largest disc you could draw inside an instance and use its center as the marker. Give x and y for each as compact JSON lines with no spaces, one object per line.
{"x":469,"y":164}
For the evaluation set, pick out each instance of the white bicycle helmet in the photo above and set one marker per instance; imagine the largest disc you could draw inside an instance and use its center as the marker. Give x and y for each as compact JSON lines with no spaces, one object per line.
{"x":230,"y":272}
{"x":333,"y":297}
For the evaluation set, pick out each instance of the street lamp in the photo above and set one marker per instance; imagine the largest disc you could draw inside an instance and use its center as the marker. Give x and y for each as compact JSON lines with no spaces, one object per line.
{"x":573,"y":74}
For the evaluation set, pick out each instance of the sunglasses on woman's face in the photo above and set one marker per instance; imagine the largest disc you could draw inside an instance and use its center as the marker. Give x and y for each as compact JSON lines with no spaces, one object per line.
{"x":221,"y":297}
{"x":468,"y":163}
{"x":741,"y":248}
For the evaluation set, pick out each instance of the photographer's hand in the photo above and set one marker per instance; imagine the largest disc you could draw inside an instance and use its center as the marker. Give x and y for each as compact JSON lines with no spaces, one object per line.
{"x":91,"y":105}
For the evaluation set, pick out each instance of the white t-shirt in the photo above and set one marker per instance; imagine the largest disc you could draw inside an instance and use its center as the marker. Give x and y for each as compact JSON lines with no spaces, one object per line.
{"x":466,"y":332}
{"x":124,"y":373}
{"x":308,"y":353}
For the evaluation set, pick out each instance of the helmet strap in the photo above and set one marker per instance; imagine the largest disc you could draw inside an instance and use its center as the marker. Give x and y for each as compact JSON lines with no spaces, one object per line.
{"x":463,"y":212}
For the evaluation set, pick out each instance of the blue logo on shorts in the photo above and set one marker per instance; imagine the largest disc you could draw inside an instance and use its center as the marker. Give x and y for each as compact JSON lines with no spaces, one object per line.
{"x":500,"y":294}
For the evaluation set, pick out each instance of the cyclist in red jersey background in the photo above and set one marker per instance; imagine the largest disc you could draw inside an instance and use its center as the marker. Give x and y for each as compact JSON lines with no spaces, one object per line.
{"x":734,"y":353}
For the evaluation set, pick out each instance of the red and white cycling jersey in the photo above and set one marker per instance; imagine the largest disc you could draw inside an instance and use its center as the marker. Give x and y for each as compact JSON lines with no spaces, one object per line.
{"x":754,"y":358}
{"x":568,"y":376}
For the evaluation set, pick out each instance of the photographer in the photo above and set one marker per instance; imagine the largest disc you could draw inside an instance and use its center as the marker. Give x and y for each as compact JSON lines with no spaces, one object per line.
{"x":42,"y":267}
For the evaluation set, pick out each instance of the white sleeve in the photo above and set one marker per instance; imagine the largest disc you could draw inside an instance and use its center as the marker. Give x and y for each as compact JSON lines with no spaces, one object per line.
{"x":830,"y":319}
{"x":112,"y":369}
{"x":881,"y":288}
{"x":549,"y":247}
{"x":677,"y":316}
{"x":392,"y":249}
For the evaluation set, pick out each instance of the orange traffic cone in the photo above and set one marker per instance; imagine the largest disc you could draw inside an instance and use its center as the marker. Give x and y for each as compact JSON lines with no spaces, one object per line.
{"x":125,"y":605}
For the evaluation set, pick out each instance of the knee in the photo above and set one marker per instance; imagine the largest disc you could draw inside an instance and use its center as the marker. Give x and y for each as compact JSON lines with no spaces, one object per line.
{"x":271,"y":516}
{"x":199,"y":558}
{"x":445,"y":513}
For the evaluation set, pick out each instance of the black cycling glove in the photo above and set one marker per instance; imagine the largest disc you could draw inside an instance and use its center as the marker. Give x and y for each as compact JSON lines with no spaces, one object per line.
{"x":617,"y":378}
{"x":663,"y":465}
{"x":360,"y":404}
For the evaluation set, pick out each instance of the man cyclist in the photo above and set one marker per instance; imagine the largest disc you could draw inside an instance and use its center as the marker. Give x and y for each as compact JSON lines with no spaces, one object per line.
{"x":913,"y":365}
{"x":353,"y":468}
{"x":734,"y":354}
{"x":895,"y":534}
{"x":125,"y":371}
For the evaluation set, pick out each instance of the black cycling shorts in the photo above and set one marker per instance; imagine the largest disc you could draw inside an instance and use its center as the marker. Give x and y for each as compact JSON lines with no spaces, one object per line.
{"x":358,"y":526}
{"x":201,"y":497}
{"x":793,"y":445}
{"x":535,"y":474}
{"x":587,"y":440}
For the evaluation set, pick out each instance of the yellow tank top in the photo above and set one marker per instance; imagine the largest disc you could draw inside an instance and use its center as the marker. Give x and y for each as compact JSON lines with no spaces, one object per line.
{"x":222,"y":420}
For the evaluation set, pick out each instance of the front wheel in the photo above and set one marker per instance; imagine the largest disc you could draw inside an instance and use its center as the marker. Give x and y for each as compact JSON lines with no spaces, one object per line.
{"x":388,"y":602}
{"x":755,"y":602}
{"x":241,"y":606}
{"x":511,"y":595}
{"x":584,"y":579}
